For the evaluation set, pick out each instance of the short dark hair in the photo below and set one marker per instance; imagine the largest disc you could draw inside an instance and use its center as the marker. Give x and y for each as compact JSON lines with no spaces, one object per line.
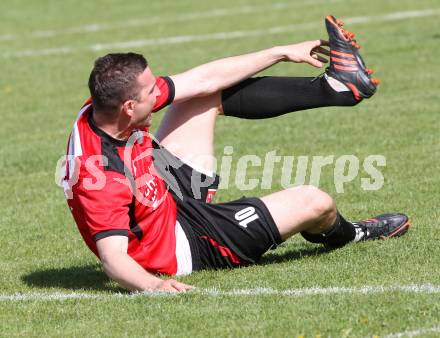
{"x":113,"y":80}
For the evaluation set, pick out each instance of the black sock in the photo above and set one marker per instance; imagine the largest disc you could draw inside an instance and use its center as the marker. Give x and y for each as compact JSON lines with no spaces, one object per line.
{"x":340,"y":234}
{"x":265,"y":97}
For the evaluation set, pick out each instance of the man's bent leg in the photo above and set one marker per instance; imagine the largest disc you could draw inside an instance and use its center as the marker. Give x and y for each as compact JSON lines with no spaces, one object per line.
{"x":312,"y":212}
{"x":187,"y":130}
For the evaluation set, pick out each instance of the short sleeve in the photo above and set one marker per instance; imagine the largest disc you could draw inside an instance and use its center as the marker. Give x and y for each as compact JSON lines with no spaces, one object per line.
{"x":166,"y":88}
{"x":104,"y":212}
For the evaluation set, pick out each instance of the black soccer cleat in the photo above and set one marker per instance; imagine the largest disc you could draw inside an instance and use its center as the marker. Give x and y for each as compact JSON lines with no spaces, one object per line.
{"x":346,"y":64}
{"x":382,"y":227}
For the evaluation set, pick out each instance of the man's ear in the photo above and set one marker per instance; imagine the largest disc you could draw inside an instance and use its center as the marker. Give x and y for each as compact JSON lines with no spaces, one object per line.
{"x":128,"y":107}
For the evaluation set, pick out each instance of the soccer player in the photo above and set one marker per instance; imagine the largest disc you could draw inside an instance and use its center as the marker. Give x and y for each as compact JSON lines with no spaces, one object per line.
{"x":142,"y":205}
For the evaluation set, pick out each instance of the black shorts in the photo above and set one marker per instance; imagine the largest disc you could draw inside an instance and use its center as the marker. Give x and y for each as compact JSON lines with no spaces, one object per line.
{"x":221,"y":235}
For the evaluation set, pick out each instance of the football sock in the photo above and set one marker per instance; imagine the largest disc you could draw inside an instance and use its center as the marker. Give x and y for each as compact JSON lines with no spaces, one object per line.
{"x":341,"y":233}
{"x":270,"y":96}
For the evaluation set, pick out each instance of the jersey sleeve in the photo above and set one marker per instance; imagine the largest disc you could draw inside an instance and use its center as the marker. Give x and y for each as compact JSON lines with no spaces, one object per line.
{"x":166,"y":88}
{"x":104,"y":212}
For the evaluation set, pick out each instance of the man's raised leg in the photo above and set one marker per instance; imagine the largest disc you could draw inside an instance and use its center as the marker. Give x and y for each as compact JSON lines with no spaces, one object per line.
{"x":187,"y":129}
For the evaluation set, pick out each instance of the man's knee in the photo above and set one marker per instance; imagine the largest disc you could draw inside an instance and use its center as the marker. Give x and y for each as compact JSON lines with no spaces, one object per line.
{"x":320,"y":204}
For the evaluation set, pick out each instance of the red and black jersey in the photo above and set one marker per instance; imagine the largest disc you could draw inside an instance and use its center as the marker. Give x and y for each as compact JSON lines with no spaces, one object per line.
{"x":112,"y":189}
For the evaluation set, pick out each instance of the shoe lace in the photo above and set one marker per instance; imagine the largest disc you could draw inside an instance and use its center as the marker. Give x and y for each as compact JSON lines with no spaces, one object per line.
{"x":347,"y":34}
{"x":372,"y":231}
{"x":374,"y":80}
{"x":320,"y":75}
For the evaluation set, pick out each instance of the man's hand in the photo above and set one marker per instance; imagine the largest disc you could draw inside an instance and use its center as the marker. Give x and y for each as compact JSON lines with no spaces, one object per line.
{"x":120,"y":267}
{"x":310,"y":52}
{"x":173,"y":286}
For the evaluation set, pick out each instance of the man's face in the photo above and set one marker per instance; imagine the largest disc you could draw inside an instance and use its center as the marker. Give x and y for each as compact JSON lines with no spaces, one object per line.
{"x":148,"y":93}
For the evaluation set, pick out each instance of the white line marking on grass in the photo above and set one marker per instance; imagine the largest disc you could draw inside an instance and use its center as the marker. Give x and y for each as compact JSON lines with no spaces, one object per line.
{"x":260,"y":32}
{"x":58,"y":296}
{"x":414,"y":333}
{"x":40,"y":52}
{"x":148,"y":21}
{"x":394,"y":16}
{"x":47,"y":296}
{"x":215,"y":36}
{"x":7,"y":37}
{"x":199,"y":37}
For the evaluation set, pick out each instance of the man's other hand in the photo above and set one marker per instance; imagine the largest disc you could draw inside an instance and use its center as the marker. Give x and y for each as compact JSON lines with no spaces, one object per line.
{"x":311,"y":52}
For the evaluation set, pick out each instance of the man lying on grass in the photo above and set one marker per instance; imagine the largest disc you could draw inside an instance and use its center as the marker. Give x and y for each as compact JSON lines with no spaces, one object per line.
{"x":143,"y":205}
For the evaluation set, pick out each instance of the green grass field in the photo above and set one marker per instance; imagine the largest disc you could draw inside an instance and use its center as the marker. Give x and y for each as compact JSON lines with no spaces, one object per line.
{"x":47,"y":49}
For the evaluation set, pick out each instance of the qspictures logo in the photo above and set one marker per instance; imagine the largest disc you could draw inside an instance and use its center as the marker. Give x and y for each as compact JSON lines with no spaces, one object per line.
{"x":242,"y":172}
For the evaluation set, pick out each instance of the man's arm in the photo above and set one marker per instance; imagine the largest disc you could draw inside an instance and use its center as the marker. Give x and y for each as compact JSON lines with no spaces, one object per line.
{"x":220,"y":74}
{"x":120,"y":267}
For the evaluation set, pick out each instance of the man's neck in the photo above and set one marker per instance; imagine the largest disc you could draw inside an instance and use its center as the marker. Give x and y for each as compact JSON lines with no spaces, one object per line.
{"x":114,"y":128}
